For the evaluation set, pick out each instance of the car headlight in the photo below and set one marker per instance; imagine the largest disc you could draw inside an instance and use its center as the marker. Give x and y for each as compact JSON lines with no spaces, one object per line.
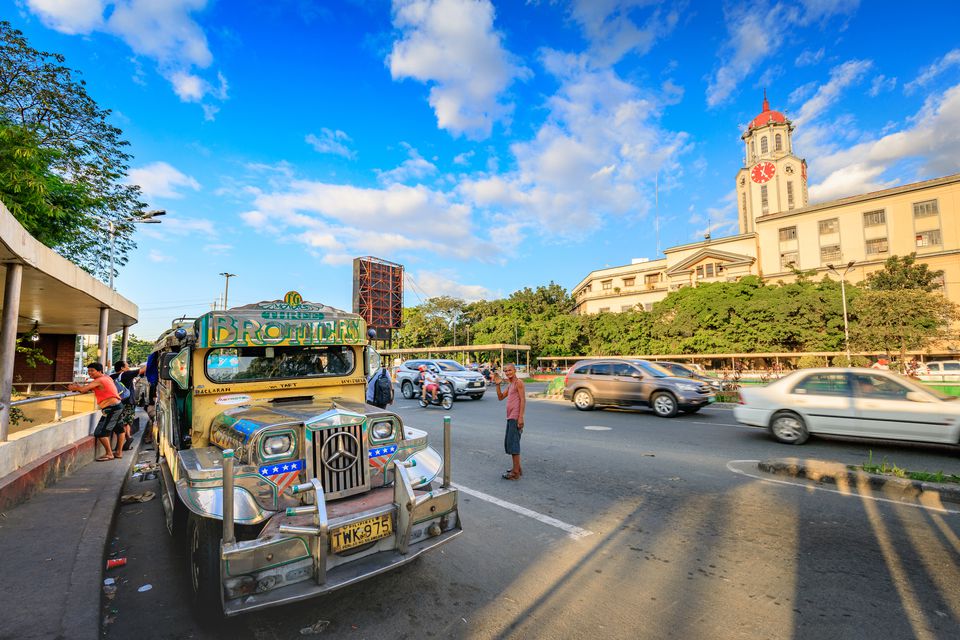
{"x":688,"y":387}
{"x":382,"y":430}
{"x":277,"y":445}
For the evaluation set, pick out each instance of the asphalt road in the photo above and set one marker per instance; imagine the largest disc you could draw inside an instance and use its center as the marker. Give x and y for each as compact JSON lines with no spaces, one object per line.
{"x":623,"y":526}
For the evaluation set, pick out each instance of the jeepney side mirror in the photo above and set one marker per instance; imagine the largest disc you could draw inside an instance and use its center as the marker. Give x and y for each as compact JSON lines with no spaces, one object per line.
{"x":372,"y":360}
{"x":164,"y":369}
{"x":176,"y":367}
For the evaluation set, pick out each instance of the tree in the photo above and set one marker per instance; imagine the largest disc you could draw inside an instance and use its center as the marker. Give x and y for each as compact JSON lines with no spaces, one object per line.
{"x":137,"y":349}
{"x":900,"y":320}
{"x":74,"y":142}
{"x":902,"y":273}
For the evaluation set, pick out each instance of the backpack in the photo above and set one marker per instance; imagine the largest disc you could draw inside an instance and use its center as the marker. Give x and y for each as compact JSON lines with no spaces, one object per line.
{"x":382,"y":390}
{"x":121,"y":389}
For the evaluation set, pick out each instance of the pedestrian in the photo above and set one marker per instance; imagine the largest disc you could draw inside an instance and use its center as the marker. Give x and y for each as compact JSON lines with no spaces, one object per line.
{"x":516,"y":398}
{"x":127,"y":377}
{"x":151,"y":371}
{"x":380,"y":389}
{"x":108,"y":400}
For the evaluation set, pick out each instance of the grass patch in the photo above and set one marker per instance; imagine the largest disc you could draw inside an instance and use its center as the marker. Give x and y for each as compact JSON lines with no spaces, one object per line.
{"x":890,"y":469}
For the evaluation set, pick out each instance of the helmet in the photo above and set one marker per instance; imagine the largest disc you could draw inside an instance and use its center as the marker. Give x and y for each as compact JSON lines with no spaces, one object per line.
{"x":422,"y":367}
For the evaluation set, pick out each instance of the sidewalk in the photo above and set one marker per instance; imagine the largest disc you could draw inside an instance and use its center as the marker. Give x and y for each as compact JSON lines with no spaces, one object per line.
{"x":52,"y":553}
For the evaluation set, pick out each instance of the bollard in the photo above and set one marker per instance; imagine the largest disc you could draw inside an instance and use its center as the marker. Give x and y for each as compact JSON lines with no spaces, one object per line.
{"x":228,"y":537}
{"x":446,"y":451}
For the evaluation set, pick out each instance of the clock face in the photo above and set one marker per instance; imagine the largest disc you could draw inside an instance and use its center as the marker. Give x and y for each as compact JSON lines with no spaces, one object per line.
{"x":762,"y":172}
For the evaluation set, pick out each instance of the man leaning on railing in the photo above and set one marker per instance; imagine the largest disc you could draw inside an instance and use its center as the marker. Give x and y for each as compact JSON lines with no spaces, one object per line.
{"x":105,"y":392}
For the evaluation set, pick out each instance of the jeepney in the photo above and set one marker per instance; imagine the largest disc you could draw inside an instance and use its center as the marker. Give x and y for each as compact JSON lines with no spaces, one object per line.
{"x":282,"y":481}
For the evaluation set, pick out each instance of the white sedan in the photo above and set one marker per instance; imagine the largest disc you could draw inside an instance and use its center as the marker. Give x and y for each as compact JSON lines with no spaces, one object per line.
{"x":850,"y":402}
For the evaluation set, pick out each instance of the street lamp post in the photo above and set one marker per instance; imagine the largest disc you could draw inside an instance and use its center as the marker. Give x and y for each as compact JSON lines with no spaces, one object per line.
{"x":843,"y":294}
{"x":226,"y":286}
{"x":148,"y":218}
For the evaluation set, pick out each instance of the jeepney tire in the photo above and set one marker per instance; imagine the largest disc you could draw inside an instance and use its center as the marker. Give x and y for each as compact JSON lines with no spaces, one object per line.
{"x":406,"y":389}
{"x":180,"y":517}
{"x":203,"y":563}
{"x":664,"y":404}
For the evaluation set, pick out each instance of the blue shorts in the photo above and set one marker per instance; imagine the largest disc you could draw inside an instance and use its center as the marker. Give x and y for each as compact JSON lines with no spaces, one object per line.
{"x":511,"y":440}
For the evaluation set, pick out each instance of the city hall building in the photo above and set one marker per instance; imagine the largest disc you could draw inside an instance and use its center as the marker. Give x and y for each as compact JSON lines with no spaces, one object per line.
{"x":780,"y":231}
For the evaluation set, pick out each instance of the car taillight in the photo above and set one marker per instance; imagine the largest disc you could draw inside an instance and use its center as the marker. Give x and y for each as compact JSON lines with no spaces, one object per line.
{"x":740,"y":399}
{"x":566,"y":377}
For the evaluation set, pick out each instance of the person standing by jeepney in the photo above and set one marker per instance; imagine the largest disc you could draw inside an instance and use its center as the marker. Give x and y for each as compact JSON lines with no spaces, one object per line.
{"x":126,"y":376}
{"x":108,"y":400}
{"x":516,"y":398}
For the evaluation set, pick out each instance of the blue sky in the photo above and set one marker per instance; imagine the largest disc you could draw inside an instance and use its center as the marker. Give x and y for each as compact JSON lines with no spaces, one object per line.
{"x":487,"y":146}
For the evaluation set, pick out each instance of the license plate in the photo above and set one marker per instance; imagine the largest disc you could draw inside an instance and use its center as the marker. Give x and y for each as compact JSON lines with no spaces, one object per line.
{"x":360,"y":533}
{"x":476,"y":384}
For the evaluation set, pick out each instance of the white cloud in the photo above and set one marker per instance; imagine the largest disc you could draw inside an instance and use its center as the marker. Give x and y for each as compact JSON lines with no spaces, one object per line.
{"x":156,"y":256}
{"x":162,"y":180}
{"x":463,"y":158}
{"x":931,"y":137}
{"x":612,"y":32}
{"x":218,"y":249}
{"x":720,"y":220}
{"x":413,"y":168}
{"x":332,"y":141}
{"x":445,"y":283}
{"x":452,"y":45}
{"x":881,"y":84}
{"x":757,"y":35}
{"x":598,"y":148}
{"x":951,"y":59}
{"x":808,"y":58}
{"x":821,"y":127}
{"x":172,"y":225}
{"x":162,"y":31}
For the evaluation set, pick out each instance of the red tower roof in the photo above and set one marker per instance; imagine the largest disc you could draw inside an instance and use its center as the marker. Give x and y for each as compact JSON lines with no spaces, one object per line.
{"x":767,"y":115}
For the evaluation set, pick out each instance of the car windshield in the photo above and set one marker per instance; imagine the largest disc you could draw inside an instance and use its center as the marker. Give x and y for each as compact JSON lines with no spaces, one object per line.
{"x":271,"y":363}
{"x":676,"y":369}
{"x":654,"y":370}
{"x":450,"y":365}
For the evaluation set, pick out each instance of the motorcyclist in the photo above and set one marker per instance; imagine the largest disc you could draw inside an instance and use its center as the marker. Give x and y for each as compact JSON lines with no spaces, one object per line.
{"x":431,"y":382}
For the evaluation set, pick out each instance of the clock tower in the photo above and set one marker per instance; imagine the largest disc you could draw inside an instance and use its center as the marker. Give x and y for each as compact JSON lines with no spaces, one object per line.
{"x":772,"y":178}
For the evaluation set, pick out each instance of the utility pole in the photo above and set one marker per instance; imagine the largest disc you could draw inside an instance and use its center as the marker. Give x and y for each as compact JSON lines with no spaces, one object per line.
{"x":843,"y":294}
{"x":226,"y":286}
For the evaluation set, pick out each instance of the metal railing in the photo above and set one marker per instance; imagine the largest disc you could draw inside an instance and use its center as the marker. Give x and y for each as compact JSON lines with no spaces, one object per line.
{"x":58,"y":412}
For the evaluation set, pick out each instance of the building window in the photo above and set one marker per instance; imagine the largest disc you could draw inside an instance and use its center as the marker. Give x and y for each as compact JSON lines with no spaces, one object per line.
{"x":829,"y":226}
{"x":651,"y":279}
{"x":604,"y":309}
{"x":606,"y":285}
{"x":648,"y":306}
{"x":790,"y":194}
{"x":928,"y":238}
{"x":940,"y":282}
{"x":753,"y":149}
{"x":877,"y":245}
{"x":589,"y":287}
{"x":626,"y":307}
{"x":829,"y":254}
{"x":788,"y":260}
{"x":700,"y":271}
{"x":743,"y":204}
{"x":764,"y":203}
{"x":719,"y":268}
{"x":925,"y":209}
{"x":778,"y":142}
{"x":628,"y":282}
{"x":788,"y":233}
{"x":709,"y":269}
{"x":875,"y":218}
{"x":763,"y":145}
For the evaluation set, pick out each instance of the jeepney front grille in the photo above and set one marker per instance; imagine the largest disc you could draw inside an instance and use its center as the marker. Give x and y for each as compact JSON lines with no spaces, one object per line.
{"x":340,"y":460}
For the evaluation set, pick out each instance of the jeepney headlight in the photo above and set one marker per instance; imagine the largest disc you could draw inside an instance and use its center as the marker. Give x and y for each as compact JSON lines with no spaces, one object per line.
{"x":277,"y":445}
{"x":382,"y":430}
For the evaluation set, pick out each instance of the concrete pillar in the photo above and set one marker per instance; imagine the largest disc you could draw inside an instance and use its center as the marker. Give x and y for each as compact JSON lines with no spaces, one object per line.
{"x":124,"y":342}
{"x":102,"y":350}
{"x":8,"y":342}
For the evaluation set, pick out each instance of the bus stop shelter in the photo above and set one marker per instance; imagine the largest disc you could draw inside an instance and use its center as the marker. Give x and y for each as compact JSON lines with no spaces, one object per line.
{"x":44,"y":294}
{"x":503,"y":350}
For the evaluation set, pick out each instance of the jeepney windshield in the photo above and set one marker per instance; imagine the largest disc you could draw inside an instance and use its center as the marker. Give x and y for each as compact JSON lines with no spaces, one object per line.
{"x":273,"y":363}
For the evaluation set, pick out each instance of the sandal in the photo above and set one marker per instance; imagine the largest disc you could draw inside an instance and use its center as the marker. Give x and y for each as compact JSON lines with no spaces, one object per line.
{"x":509,"y":476}
{"x":103,"y":458}
{"x":510,"y":471}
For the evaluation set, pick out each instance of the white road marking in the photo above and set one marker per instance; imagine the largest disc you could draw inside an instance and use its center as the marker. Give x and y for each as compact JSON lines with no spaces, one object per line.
{"x":593,"y":427}
{"x":846,"y":494}
{"x":573,"y":531}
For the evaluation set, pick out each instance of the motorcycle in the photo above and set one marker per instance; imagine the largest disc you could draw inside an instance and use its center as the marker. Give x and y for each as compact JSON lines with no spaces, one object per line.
{"x":444,"y":395}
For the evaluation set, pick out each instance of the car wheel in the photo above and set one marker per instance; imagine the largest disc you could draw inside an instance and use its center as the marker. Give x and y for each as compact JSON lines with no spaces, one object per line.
{"x":788,"y":428}
{"x":664,"y":404}
{"x":447,"y":402}
{"x":406,"y":389}
{"x":583,"y":399}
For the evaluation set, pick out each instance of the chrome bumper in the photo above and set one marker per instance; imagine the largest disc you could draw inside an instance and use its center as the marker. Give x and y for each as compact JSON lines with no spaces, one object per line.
{"x":297,"y":562}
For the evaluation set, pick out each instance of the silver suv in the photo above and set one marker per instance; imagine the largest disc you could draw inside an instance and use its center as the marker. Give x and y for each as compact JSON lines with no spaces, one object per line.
{"x":465,"y":382}
{"x":591,"y":383}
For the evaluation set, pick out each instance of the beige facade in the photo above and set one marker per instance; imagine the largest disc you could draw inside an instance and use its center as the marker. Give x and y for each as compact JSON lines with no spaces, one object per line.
{"x":780,"y":231}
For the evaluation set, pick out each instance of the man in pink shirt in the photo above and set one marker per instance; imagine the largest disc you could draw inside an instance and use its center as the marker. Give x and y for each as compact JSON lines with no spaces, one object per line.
{"x":516,"y":404}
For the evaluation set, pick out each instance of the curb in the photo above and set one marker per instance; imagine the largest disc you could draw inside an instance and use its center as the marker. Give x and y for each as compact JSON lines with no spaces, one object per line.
{"x":19,"y":486}
{"x":841,"y":475}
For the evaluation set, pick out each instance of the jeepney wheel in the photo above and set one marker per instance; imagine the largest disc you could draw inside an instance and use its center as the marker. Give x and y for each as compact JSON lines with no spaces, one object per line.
{"x":447,"y":401}
{"x":406,"y":389}
{"x":203,"y":562}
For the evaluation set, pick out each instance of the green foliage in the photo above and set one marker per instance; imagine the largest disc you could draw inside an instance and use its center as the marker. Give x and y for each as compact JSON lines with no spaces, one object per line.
{"x":855,"y":361}
{"x":69,"y":165}
{"x":137,"y":349}
{"x":902,"y":273}
{"x":900,"y":320}
{"x":891,"y":469}
{"x":31,"y":354}
{"x":811,"y":362}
